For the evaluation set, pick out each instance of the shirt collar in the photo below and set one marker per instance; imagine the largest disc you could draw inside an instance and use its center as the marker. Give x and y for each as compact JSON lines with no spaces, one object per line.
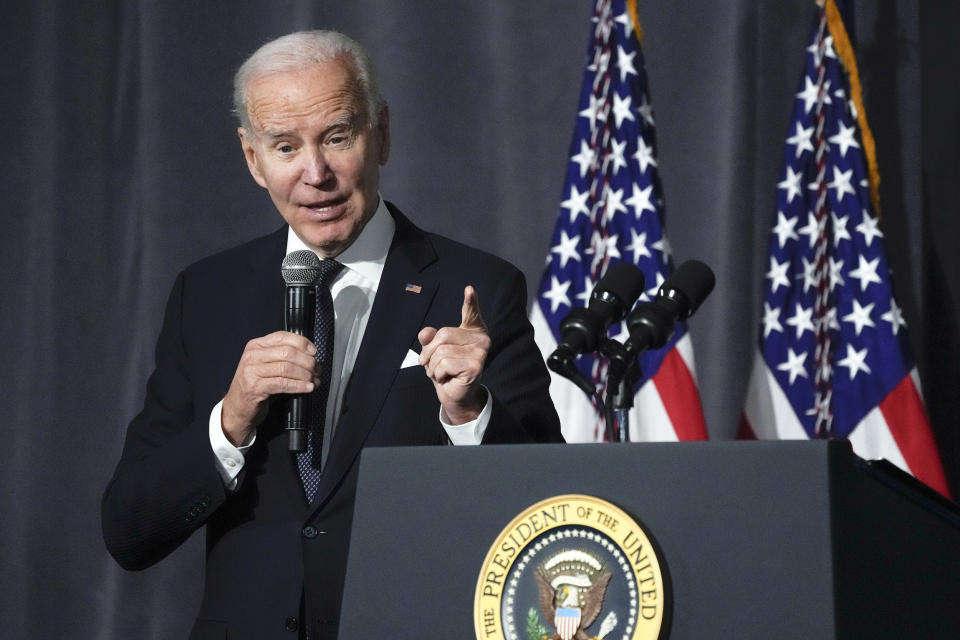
{"x":368,"y":252}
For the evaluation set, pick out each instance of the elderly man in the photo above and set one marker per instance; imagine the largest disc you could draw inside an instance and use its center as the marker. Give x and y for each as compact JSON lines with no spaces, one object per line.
{"x":209,"y":446}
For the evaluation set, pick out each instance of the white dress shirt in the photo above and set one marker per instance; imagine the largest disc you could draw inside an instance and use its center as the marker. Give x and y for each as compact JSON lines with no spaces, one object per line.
{"x":353,"y":292}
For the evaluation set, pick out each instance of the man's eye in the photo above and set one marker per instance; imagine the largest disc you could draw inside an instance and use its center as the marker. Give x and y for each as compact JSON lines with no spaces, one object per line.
{"x":285,"y":148}
{"x":340,"y":138}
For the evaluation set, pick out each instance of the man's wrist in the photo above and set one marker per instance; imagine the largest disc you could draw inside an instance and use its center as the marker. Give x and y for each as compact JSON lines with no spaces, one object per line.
{"x":467,"y":411}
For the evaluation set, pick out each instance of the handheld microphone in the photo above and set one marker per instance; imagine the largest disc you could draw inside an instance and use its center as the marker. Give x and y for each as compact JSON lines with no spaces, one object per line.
{"x":301,"y":272}
{"x":581,"y":330}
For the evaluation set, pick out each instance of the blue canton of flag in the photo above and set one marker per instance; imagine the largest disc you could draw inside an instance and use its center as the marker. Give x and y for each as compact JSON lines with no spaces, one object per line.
{"x":835,"y":357}
{"x":613,"y":202}
{"x":832,"y":333}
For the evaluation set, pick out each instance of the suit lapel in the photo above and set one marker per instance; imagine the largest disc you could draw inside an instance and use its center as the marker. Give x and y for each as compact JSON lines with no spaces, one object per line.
{"x":395,"y":319}
{"x":264,"y":288}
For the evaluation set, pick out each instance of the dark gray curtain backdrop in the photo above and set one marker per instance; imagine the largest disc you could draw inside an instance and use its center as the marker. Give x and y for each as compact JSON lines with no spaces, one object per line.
{"x":120,"y":165}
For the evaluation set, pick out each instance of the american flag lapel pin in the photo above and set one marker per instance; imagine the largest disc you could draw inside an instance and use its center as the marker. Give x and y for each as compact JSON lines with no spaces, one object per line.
{"x":413,"y":288}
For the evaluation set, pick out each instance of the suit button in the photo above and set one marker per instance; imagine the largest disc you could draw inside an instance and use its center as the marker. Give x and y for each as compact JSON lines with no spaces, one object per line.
{"x":291,"y":624}
{"x":309,"y":532}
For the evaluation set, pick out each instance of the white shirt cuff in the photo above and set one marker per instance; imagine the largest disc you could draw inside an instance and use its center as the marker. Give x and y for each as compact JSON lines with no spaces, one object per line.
{"x":469,"y":432}
{"x":229,"y":458}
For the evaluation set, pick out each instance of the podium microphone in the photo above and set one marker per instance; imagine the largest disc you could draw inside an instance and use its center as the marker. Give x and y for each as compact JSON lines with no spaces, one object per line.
{"x":582,"y":330}
{"x":301,"y":272}
{"x":651,"y":324}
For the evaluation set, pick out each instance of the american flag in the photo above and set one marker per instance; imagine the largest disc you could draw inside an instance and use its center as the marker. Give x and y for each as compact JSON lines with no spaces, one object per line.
{"x":834,"y":358}
{"x":612,"y":210}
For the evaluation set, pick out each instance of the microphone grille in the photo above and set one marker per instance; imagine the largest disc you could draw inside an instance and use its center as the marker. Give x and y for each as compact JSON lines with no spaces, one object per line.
{"x":301,"y":267}
{"x":694,"y":280}
{"x":624,"y":280}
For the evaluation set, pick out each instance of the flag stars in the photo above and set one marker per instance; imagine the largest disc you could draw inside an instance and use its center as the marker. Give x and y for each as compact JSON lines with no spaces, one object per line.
{"x":841,"y":182}
{"x":778,"y":274}
{"x":814,"y":228}
{"x":639,"y":245}
{"x":651,"y":293}
{"x":829,"y":319}
{"x":810,"y":278}
{"x":592,"y":112}
{"x":868,"y":228}
{"x":663,"y":246}
{"x":836,"y":273}
{"x":784,"y":229}
{"x":640,"y":200}
{"x":616,"y":156}
{"x":894,"y":317}
{"x":646,"y":110}
{"x":791,"y":183}
{"x":624,"y":20}
{"x":584,"y":296}
{"x":811,"y":93}
{"x":585,"y":158}
{"x":771,"y":320}
{"x":866,"y":272}
{"x":821,"y":409}
{"x":604,"y":28}
{"x":644,"y":155}
{"x":619,"y":330}
{"x":614,"y":203}
{"x":557,"y":294}
{"x":839,"y":228}
{"x":844,"y":139}
{"x":794,"y":365}
{"x":609,"y":247}
{"x":860,"y":316}
{"x":625,"y":63}
{"x":814,"y":50}
{"x":622,"y":109}
{"x":801,"y":140}
{"x":567,"y":249}
{"x":576,"y":204}
{"x":855,"y":361}
{"x":601,"y":63}
{"x":801,"y":320}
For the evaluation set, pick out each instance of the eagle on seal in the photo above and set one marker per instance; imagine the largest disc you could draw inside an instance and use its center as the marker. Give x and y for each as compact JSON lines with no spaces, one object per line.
{"x":571,"y":608}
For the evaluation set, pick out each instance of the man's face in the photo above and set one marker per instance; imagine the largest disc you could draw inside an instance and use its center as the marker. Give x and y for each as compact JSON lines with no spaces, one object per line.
{"x":313,"y":150}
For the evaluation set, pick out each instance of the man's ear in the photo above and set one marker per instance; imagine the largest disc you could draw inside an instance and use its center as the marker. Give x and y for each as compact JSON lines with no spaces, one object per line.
{"x":383,"y":131}
{"x":250,"y":153}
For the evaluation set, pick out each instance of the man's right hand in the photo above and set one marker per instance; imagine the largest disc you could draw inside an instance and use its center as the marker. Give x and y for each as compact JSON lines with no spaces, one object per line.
{"x":281,"y":362}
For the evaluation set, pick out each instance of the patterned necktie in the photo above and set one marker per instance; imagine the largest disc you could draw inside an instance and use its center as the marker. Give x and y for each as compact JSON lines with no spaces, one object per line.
{"x":310,"y":461}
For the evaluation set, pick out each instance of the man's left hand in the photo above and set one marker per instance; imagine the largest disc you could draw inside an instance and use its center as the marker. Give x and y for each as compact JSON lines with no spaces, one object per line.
{"x":453,"y":358}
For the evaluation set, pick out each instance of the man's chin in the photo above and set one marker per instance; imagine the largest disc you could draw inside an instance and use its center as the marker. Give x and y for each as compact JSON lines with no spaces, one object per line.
{"x":329,"y":237}
{"x":328,"y":245}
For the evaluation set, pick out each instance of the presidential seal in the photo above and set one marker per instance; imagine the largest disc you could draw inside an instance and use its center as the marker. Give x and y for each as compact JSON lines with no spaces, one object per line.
{"x":572,"y":567}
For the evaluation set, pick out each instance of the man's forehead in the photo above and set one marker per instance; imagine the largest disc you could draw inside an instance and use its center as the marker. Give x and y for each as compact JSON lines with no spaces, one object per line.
{"x":329,"y":89}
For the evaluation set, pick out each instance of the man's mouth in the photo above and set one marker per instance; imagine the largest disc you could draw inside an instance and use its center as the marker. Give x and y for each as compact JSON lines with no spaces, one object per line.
{"x":323,"y":207}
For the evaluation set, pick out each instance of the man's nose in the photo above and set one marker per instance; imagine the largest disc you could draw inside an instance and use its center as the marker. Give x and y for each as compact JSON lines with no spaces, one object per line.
{"x":316,"y":170}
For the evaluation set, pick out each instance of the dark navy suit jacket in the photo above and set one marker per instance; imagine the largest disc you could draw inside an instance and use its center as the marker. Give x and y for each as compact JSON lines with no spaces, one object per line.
{"x":270,"y":555}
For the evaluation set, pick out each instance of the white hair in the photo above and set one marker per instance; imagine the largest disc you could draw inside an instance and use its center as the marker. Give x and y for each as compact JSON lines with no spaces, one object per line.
{"x":302,"y":49}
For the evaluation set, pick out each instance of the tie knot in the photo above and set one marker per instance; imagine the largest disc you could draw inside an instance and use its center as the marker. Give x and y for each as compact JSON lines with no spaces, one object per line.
{"x":328,"y":271}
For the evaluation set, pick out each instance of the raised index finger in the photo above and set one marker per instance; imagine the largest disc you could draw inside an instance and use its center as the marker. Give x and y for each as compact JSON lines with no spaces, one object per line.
{"x":470,"y":317}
